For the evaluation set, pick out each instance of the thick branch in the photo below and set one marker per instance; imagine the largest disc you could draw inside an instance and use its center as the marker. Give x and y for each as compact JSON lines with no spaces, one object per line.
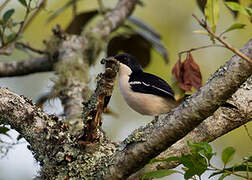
{"x":23,"y":116}
{"x":21,"y":68}
{"x":115,"y":18}
{"x":164,"y":132}
{"x":223,"y":121}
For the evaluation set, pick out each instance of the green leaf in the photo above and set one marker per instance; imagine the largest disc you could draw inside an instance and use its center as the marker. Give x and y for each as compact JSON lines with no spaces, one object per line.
{"x":227,"y":155}
{"x":212,"y":13}
{"x":159,"y":173}
{"x":249,"y":11}
{"x":19,"y":137}
{"x":248,"y":159}
{"x":202,"y":148}
{"x":4,"y":130}
{"x":237,"y":7}
{"x":234,"y":27}
{"x":195,"y":164}
{"x":23,"y":2}
{"x":11,"y":37}
{"x":169,"y":159}
{"x":7,"y":15}
{"x":200,"y":32}
{"x":224,"y":175}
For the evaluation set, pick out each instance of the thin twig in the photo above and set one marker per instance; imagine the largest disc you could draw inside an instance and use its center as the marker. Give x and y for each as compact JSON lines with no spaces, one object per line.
{"x":4,"y":4}
{"x":227,"y":171}
{"x":249,"y":135}
{"x":102,"y":8}
{"x":27,"y":46}
{"x":74,"y":8}
{"x":41,"y":5}
{"x":198,"y":48}
{"x":228,"y":46}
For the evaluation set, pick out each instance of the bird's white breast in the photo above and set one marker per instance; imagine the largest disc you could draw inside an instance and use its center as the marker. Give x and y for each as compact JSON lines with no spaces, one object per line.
{"x":146,"y":104}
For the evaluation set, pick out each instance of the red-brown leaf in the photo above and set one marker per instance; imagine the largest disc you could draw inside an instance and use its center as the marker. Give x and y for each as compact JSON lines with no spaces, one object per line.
{"x":187,"y":74}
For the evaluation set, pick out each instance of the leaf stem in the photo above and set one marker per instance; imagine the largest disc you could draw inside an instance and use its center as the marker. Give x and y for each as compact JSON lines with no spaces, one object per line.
{"x":198,"y":48}
{"x":27,"y":46}
{"x":25,"y":25}
{"x":228,"y":46}
{"x":224,"y":170}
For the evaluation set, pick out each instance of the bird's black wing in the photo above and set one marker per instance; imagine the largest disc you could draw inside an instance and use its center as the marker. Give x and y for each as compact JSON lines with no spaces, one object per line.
{"x":150,"y":84}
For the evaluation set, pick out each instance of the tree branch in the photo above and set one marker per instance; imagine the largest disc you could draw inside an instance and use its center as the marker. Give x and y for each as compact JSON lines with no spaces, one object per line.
{"x":21,"y":68}
{"x":115,"y":18}
{"x":223,"y":121}
{"x":228,"y":46}
{"x":24,"y":117}
{"x":146,"y":143}
{"x":98,"y":102}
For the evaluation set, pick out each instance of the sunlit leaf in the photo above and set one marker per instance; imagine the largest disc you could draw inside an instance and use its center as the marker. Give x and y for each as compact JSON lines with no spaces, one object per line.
{"x":7,"y":15}
{"x":200,"y":32}
{"x":234,"y":27}
{"x":235,"y":13}
{"x":237,"y":7}
{"x":227,"y":155}
{"x":23,"y":2}
{"x":159,"y":173}
{"x":212,"y":13}
{"x":78,"y":23}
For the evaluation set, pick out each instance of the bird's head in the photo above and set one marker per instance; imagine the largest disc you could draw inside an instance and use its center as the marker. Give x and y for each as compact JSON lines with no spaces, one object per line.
{"x":128,"y":63}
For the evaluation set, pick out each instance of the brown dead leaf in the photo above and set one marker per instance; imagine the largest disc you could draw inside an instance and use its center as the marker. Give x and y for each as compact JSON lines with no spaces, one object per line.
{"x":187,"y":74}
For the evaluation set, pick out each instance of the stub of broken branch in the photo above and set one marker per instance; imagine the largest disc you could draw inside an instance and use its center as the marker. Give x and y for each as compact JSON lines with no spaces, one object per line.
{"x":93,"y":109}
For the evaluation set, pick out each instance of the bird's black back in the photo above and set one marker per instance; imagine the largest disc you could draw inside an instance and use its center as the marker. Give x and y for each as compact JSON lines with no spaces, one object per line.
{"x":150,"y":84}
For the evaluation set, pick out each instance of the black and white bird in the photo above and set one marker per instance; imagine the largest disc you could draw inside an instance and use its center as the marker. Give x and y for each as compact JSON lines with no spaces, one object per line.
{"x":146,"y":93}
